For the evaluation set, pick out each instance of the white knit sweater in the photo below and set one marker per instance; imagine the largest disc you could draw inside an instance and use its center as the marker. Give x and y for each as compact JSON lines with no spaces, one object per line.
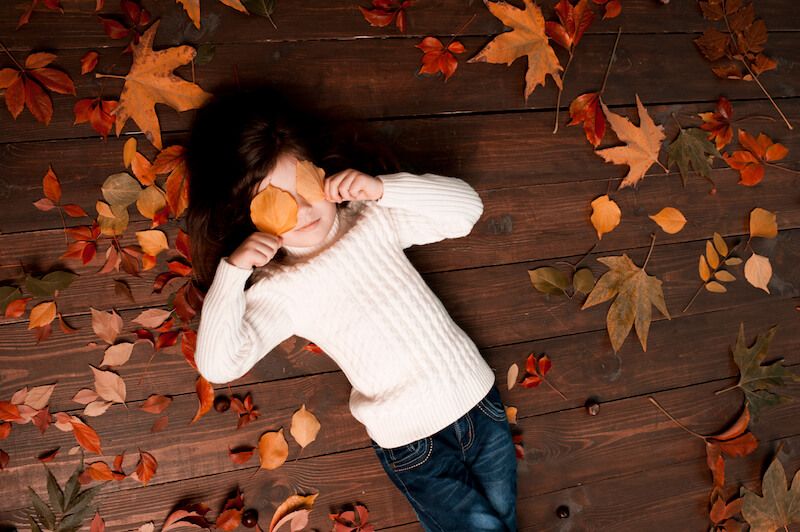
{"x":356,"y":295}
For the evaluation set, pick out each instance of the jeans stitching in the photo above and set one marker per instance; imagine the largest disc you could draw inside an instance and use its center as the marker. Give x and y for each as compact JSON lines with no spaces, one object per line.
{"x":492,"y":415}
{"x":427,"y":456}
{"x":471,"y":432}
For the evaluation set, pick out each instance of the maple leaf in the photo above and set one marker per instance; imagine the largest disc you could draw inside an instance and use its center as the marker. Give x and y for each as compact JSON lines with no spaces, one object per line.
{"x":750,"y":161}
{"x":777,"y":507}
{"x":437,"y":58}
{"x":692,"y":147}
{"x":586,"y":108}
{"x":527,"y":38}
{"x":635,"y":291}
{"x":23,"y":90}
{"x":718,"y":123}
{"x":192,"y":8}
{"x":757,"y":380}
{"x":644,"y":142}
{"x":150,"y":81}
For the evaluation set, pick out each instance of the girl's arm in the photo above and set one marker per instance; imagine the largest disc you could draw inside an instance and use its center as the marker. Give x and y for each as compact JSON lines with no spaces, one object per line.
{"x":429,"y":207}
{"x":238,"y":327}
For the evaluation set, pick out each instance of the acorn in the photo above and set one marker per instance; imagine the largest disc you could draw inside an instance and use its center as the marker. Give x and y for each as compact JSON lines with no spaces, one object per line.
{"x":221,"y":403}
{"x":250,"y":517}
{"x":592,"y":408}
{"x":562,"y":511}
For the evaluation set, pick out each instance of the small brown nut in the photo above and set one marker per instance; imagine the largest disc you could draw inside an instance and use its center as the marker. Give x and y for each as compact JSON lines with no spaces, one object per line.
{"x":562,"y":511}
{"x":592,"y":408}
{"x":250,"y":517}
{"x":221,"y":403}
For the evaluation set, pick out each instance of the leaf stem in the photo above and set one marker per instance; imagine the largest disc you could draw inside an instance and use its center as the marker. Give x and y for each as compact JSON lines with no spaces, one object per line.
{"x":463,"y":26}
{"x":681,"y":425}
{"x":652,"y":243}
{"x":11,"y":56}
{"x":99,"y":75}
{"x":729,"y":388}
{"x":547,"y":382}
{"x":610,"y":61}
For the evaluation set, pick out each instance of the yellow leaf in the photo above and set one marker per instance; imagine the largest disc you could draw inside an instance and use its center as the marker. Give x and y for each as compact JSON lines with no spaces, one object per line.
{"x":42,"y":314}
{"x":714,"y":286}
{"x":711,"y":254}
{"x":273,"y":210}
{"x":192,"y":8}
{"x":527,"y":38}
{"x":129,"y":151}
{"x":511,"y":376}
{"x":272,"y":449}
{"x":720,"y":244}
{"x":670,"y":219}
{"x":643,"y":143}
{"x":705,"y":272}
{"x":310,"y":181}
{"x":153,"y":241}
{"x":758,"y":271}
{"x":724,"y":275}
{"x":762,"y":223}
{"x":305,"y":426}
{"x":151,"y":200}
{"x":151,"y":81}
{"x":605,"y":215}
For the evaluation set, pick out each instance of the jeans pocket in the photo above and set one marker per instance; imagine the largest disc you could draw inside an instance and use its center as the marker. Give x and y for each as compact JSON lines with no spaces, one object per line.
{"x":492,"y":405}
{"x":411,"y":455}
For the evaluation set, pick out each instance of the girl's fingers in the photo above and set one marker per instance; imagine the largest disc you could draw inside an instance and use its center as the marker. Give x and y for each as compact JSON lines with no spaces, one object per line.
{"x":344,"y":186}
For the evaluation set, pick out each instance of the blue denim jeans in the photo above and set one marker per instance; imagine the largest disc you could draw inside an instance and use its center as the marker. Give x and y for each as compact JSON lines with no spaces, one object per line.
{"x":462,"y":478}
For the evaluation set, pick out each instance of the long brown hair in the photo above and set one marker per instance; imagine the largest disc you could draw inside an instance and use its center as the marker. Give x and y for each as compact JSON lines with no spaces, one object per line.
{"x":236,"y":139}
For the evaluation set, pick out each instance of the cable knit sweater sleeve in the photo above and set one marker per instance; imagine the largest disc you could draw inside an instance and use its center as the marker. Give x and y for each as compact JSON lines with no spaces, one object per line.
{"x":238,"y":327}
{"x":428,"y":208}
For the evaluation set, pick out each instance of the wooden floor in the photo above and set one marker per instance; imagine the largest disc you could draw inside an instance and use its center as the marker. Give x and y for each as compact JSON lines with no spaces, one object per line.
{"x":628,"y":468}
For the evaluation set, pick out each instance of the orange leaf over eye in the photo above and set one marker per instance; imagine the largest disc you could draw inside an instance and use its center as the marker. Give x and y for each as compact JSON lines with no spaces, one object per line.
{"x":310,"y":181}
{"x":273,"y":210}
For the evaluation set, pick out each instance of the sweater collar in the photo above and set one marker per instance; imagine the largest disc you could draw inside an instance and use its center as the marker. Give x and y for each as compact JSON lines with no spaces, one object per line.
{"x":304,"y":251}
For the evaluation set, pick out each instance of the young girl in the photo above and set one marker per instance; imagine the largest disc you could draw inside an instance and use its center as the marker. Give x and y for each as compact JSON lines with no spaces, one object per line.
{"x":340,"y":279}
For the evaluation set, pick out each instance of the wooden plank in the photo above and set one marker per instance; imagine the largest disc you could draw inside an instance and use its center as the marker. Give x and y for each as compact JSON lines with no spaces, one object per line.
{"x":692,"y":351}
{"x":673,"y":496}
{"x":562,"y":449}
{"x":319,"y":19}
{"x":476,"y":148}
{"x":376,"y":78}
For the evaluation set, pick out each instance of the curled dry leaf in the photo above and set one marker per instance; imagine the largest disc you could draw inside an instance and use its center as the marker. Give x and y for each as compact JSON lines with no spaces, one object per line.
{"x":205,"y":394}
{"x":606,"y":215}
{"x":293,"y":503}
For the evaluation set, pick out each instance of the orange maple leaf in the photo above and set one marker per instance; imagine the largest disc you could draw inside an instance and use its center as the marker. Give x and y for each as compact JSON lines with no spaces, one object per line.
{"x":644,"y":142}
{"x":527,"y":38}
{"x":151,"y":81}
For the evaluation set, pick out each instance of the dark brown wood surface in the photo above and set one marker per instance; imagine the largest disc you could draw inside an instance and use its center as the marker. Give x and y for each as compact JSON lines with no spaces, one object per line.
{"x":627,"y":469}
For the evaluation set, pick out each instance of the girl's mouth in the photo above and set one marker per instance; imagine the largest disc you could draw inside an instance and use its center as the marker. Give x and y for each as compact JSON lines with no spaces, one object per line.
{"x":309,"y":226}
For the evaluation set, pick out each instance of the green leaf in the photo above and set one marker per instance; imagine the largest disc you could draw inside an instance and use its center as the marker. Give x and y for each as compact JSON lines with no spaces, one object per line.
{"x":47,"y":285}
{"x":692,"y":147}
{"x":71,"y":489}
{"x":7,"y":295}
{"x":84,"y":498}
{"x":42,"y":510}
{"x":778,"y":507}
{"x":549,"y":280}
{"x":756,"y":380}
{"x":76,"y":519}
{"x":54,"y":491}
{"x":34,"y":525}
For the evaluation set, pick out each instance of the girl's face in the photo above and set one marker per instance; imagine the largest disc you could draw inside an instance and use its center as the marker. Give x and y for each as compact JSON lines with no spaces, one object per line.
{"x":314,"y":220}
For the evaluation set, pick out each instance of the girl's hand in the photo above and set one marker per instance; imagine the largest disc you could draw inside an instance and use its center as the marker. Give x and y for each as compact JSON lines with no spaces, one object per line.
{"x":352,"y":185}
{"x":256,"y":250}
